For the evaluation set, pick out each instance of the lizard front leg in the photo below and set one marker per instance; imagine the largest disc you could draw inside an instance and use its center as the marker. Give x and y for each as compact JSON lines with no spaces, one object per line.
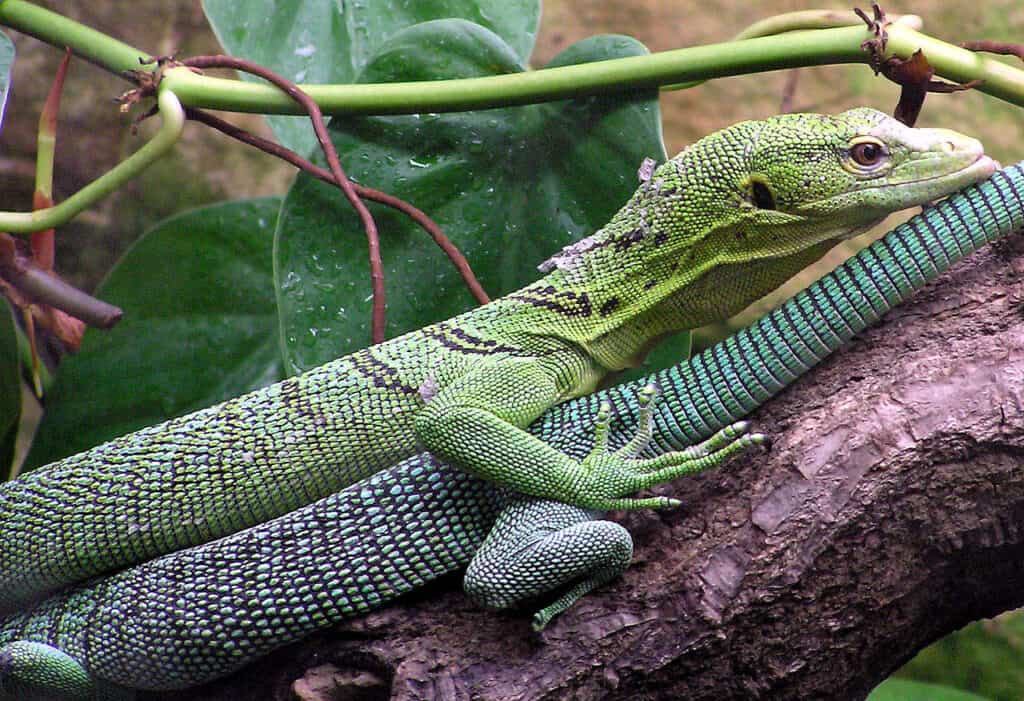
{"x":475,"y":424}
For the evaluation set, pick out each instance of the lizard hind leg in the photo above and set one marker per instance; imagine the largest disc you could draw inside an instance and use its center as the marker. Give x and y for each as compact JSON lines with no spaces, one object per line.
{"x":31,"y":671}
{"x":537,"y":547}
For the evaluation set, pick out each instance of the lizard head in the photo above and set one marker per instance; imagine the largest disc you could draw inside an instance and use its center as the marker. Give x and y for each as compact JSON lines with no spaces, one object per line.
{"x":810,"y":178}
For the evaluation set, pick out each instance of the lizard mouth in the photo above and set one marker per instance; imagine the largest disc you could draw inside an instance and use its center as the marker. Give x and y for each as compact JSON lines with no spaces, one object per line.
{"x":985,"y":165}
{"x":982,"y":167}
{"x":978,"y":169}
{"x":975,"y":171}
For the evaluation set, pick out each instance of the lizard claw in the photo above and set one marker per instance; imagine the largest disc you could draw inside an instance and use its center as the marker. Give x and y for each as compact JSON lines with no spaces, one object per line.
{"x":642,"y":438}
{"x":610,"y":476}
{"x":602,"y":422}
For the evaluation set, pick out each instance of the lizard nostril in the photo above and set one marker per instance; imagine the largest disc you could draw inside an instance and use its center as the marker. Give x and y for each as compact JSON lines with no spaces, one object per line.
{"x":948,"y":146}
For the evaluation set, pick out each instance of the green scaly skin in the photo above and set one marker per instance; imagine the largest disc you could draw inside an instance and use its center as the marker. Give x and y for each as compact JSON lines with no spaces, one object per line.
{"x":200,"y":613}
{"x":711,"y":230}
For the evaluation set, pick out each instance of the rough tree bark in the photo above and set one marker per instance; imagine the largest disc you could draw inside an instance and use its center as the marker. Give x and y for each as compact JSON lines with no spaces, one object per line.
{"x":887,"y":514}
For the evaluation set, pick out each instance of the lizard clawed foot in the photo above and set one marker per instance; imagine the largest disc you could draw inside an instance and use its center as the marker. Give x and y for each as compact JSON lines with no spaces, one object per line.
{"x":609,"y":476}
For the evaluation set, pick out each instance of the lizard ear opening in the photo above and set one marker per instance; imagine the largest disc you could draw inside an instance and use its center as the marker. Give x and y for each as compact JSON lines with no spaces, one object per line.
{"x":760,"y":194}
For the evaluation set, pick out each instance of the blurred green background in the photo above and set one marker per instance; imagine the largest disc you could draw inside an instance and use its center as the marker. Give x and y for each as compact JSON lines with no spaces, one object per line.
{"x":984,"y":658}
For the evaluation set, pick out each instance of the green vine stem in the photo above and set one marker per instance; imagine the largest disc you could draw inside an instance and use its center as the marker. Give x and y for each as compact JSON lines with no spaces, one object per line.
{"x":797,"y":21}
{"x":172,"y":117}
{"x":57,"y":30}
{"x":1000,"y":80}
{"x":667,"y":67}
{"x":814,"y":19}
{"x":796,"y":47}
{"x":790,"y":50}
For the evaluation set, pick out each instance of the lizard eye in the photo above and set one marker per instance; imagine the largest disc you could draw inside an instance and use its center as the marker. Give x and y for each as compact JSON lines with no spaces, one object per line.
{"x":867,"y":153}
{"x":866,"y":156}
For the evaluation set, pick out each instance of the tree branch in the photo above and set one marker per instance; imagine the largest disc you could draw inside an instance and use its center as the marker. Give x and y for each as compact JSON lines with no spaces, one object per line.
{"x":887,"y":515}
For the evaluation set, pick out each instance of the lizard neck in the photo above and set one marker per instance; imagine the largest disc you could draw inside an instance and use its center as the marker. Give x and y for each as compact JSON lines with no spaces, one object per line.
{"x":677,"y":256}
{"x":617,"y":319}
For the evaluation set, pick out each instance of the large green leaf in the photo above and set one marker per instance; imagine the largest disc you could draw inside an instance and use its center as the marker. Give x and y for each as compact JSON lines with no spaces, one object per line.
{"x":10,"y":388}
{"x":509,"y":187}
{"x":200,"y":326}
{"x":6,"y":64}
{"x":330,"y":41}
{"x":983,"y":657}
{"x":910,"y":690}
